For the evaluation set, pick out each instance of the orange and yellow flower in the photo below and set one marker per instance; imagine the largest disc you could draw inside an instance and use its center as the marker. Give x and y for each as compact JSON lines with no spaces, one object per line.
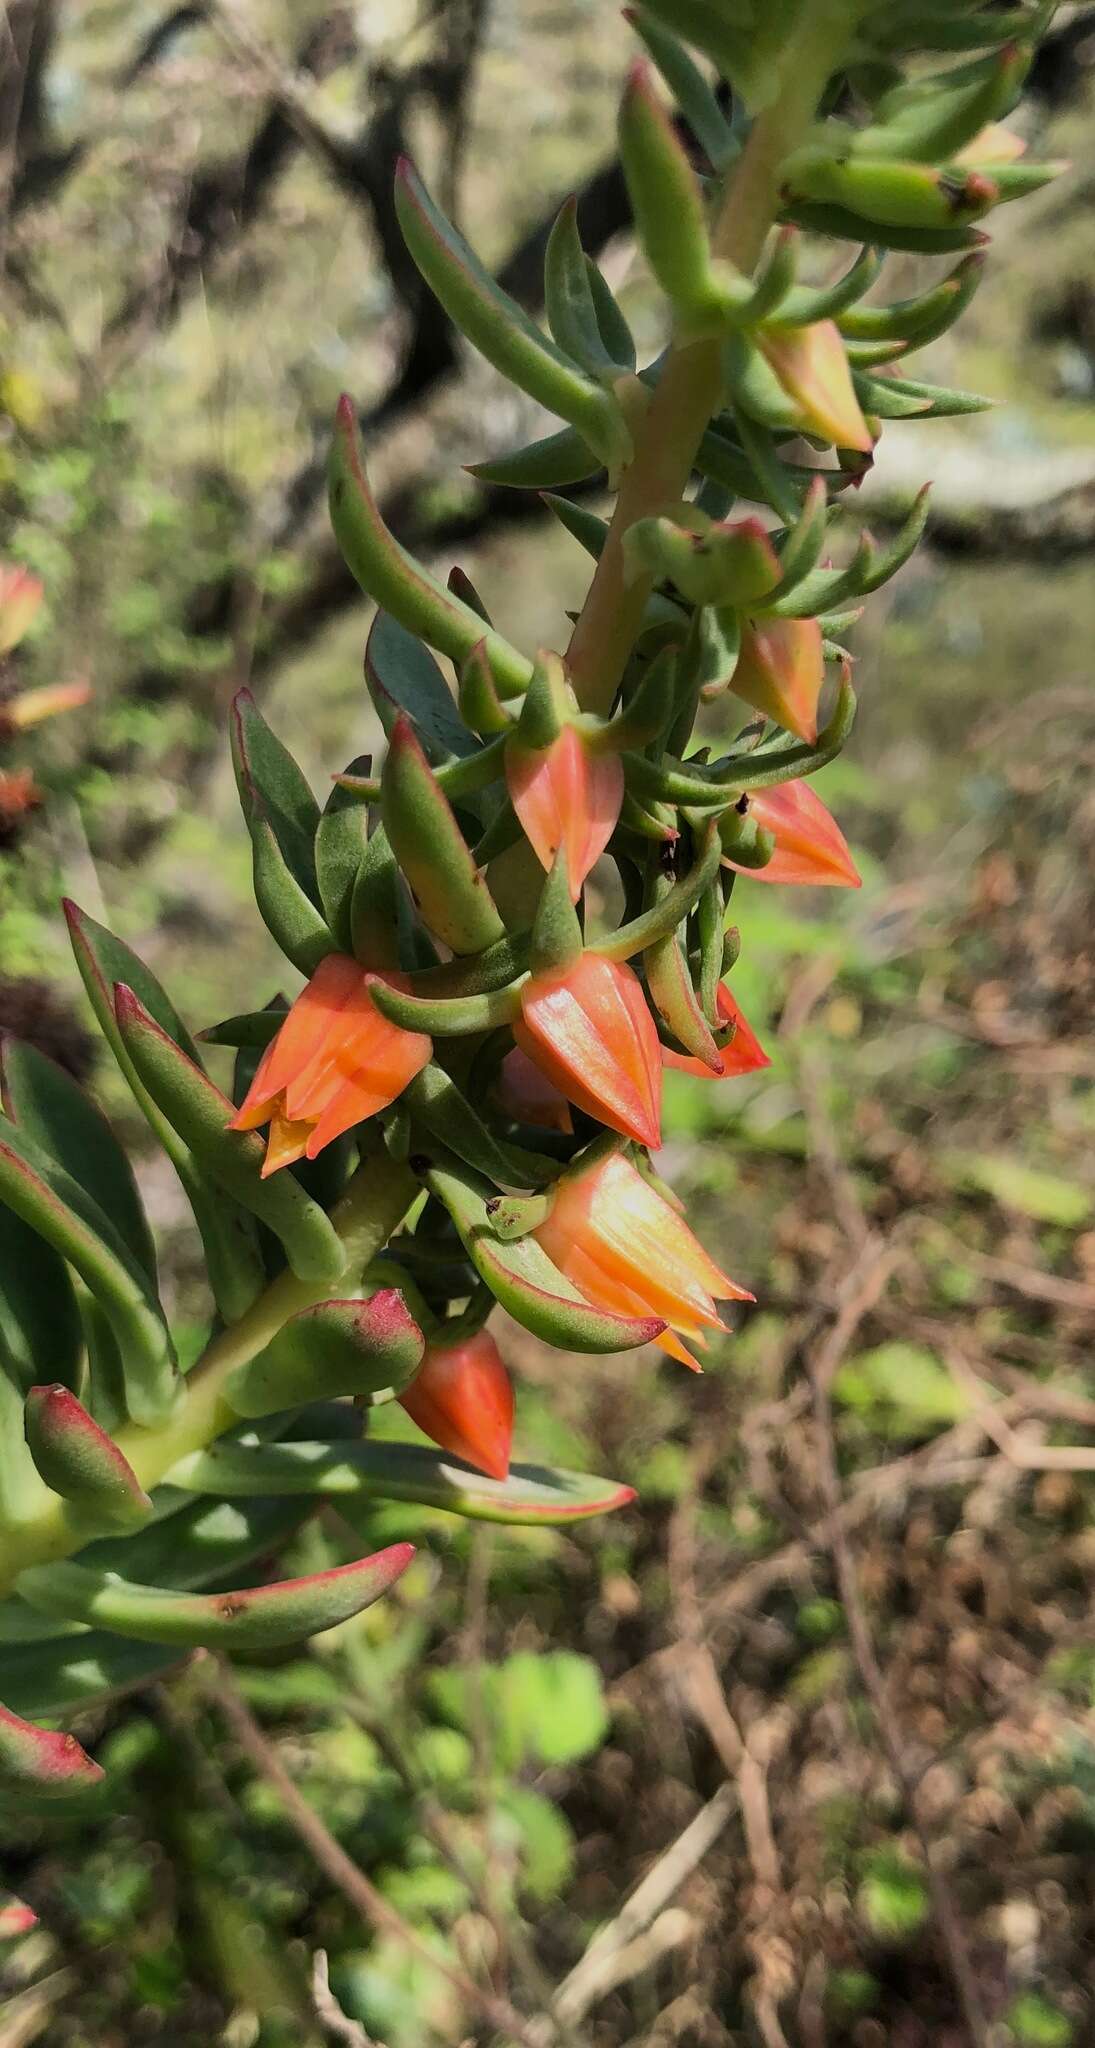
{"x":461,"y":1398}
{"x":589,"y":1031}
{"x":566,"y":797}
{"x":743,"y":1053}
{"x":625,"y":1249}
{"x":810,"y":846}
{"x":334,"y":1062}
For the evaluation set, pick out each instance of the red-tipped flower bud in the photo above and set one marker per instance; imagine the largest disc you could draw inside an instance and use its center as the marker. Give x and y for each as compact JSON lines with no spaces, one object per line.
{"x":461,"y":1397}
{"x":780,"y":671}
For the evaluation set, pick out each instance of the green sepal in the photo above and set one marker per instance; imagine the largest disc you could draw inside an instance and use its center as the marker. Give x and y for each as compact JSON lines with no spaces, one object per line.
{"x":387,"y":573}
{"x":47,"y":1198}
{"x":480,"y":973}
{"x":556,"y":931}
{"x":402,"y":675}
{"x":888,"y":193}
{"x":52,"y":1109}
{"x":342,"y":838}
{"x":499,"y":328}
{"x":562,"y":458}
{"x":615,"y":332}
{"x":200,"y":1113}
{"x":549,"y":704}
{"x":744,"y":839}
{"x":809,"y":303}
{"x":37,"y":1763}
{"x":754,"y":388}
{"x":689,"y":88}
{"x":81,"y":1462}
{"x":923,"y":318}
{"x":362,"y":1473}
{"x":254,"y":1618}
{"x":568,"y":298}
{"x":526,"y":1283}
{"x":435,"y":1101}
{"x":272,"y":787}
{"x":481,"y":707}
{"x":431,"y":849}
{"x":370,"y":1349}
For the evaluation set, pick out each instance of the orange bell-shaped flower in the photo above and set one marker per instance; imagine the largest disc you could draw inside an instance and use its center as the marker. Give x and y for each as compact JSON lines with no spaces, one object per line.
{"x":621,"y":1245}
{"x":812,"y":367}
{"x":334,"y":1062}
{"x":780,"y":670}
{"x":810,"y":846}
{"x":741,"y":1054}
{"x":587,"y":1027}
{"x":461,"y":1397}
{"x":566,"y":796}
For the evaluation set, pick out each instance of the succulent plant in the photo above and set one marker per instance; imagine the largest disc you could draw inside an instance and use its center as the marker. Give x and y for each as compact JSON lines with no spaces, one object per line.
{"x":460,"y":1106}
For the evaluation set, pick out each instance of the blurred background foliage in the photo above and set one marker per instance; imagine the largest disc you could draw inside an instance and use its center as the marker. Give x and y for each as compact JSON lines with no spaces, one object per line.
{"x":199,"y":254}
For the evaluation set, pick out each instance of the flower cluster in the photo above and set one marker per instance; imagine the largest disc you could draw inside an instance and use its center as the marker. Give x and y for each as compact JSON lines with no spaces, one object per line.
{"x":509,"y":932}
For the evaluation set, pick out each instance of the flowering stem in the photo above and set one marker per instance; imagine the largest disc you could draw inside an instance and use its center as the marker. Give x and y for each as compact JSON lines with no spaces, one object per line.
{"x":690,"y":389}
{"x":372,"y":1207}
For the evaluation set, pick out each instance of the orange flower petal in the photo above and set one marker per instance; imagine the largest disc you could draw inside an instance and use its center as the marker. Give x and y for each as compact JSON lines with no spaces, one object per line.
{"x":565,"y":796}
{"x":780,"y":671}
{"x":525,"y":1094}
{"x":590,"y":1031}
{"x":812,"y":367}
{"x":810,"y":846}
{"x":742,"y":1054}
{"x":287,"y":1142}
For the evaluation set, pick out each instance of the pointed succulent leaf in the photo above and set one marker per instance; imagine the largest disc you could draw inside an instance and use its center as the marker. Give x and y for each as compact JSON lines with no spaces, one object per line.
{"x":228,"y":1233}
{"x":388,"y":574}
{"x":499,"y":328}
{"x":201,"y":1114}
{"x":767,"y":479}
{"x":923,"y":318}
{"x":730,"y":36}
{"x":288,"y":912}
{"x":369,"y":1349}
{"x":342,"y":837}
{"x":254,"y":1618}
{"x":614,"y":330}
{"x":42,"y":1761}
{"x":568,"y":297}
{"x":252,"y":1029}
{"x":462,"y":587}
{"x":800,"y":552}
{"x":71,"y":1671}
{"x":80,"y":1461}
{"x":662,"y":918}
{"x":689,"y":88}
{"x":402,"y":675}
{"x":447,"y":1016}
{"x":808,"y":303}
{"x":522,"y":1278}
{"x":892,"y":398}
{"x":40,"y":1328}
{"x":941,"y":122}
{"x":432,"y":852}
{"x":844,"y":224}
{"x":669,"y":213}
{"x":50,"y":1107}
{"x":272,"y":787}
{"x":562,"y":458}
{"x":890,"y":193}
{"x":358,"y":1474}
{"x":47,"y":1198}
{"x":481,"y":707}
{"x":198,"y":1542}
{"x":588,"y":528}
{"x":676,"y":1001}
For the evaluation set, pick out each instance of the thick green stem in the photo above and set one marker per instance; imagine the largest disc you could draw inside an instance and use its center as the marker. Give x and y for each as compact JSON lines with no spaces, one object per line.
{"x":372,"y":1207}
{"x":691,"y":388}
